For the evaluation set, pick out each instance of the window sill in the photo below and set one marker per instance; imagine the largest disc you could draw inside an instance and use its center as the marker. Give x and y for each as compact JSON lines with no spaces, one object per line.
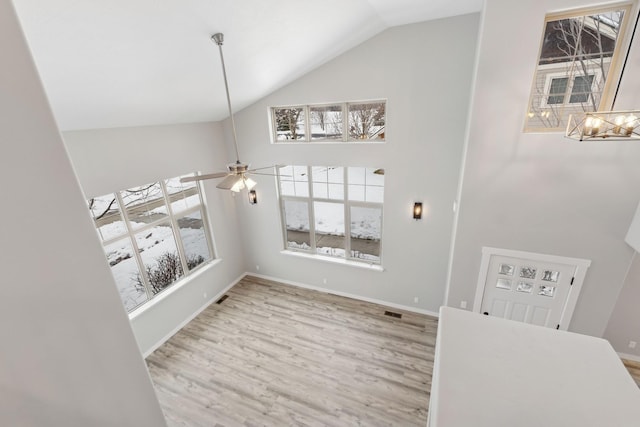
{"x":341,"y":261}
{"x":329,"y":142}
{"x":173,"y":288}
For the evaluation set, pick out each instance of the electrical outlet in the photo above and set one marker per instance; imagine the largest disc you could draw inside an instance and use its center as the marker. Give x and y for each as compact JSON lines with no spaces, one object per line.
{"x":204,"y":295}
{"x":632,"y":344}
{"x":415,"y":299}
{"x":463,"y":304}
{"x":257,"y":268}
{"x":324,"y":280}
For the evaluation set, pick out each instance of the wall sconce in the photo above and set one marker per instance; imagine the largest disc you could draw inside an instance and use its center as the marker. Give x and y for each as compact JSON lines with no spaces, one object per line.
{"x":253,"y":197}
{"x":417,"y":210}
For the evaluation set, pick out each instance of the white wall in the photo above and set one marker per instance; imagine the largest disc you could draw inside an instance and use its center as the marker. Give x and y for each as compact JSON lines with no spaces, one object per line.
{"x":109,"y":160}
{"x":540,"y":192}
{"x":424,"y":71}
{"x":624,"y":325}
{"x":68,"y":356}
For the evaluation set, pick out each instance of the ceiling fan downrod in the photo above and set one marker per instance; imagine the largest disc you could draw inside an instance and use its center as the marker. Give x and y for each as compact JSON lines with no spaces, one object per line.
{"x":218,"y":38}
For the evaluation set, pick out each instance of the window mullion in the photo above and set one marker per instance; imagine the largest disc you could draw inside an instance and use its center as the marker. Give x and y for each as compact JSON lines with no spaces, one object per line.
{"x":307,"y":122}
{"x":175,"y":228}
{"x":312,"y":217}
{"x":347,"y":215}
{"x":134,"y":245}
{"x":345,"y":122}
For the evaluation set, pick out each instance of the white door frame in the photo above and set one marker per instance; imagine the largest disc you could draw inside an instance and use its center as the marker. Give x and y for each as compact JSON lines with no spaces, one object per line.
{"x":574,"y":290}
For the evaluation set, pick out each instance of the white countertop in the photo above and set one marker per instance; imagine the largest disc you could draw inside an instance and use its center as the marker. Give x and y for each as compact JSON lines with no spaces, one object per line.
{"x":501,"y":373}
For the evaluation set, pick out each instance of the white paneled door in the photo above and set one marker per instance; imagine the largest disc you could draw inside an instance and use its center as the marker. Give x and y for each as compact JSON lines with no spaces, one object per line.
{"x":526,"y":287}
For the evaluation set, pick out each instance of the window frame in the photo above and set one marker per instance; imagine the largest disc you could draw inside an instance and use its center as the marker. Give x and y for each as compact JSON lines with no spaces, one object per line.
{"x":171,"y":218}
{"x":347,"y":204}
{"x":613,"y":70}
{"x":308,"y":139}
{"x":568,"y":92}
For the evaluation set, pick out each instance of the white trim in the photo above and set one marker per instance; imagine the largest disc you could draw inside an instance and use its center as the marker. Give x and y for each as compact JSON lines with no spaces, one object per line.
{"x":191,"y":317}
{"x":574,"y":291}
{"x":632,"y":357}
{"x":171,"y":289}
{"x":344,"y":294}
{"x":334,"y":260}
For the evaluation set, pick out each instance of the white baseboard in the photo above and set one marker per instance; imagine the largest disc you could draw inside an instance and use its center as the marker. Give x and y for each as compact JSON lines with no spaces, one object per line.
{"x":631,"y":357}
{"x":344,"y":294}
{"x":193,"y":316}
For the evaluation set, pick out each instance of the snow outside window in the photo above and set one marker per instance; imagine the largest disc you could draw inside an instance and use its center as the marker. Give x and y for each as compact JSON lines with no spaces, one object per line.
{"x":341,"y":122}
{"x":152,"y":236}
{"x":333,"y":211}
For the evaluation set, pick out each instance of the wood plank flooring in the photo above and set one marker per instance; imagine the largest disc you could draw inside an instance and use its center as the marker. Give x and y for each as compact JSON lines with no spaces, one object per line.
{"x":276,"y":355}
{"x":634,"y":369}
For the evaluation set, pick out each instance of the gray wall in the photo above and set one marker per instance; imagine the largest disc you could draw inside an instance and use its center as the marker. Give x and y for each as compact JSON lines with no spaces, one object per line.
{"x":109,"y":160}
{"x":424,"y":71}
{"x":624,"y":325}
{"x":539,"y":192}
{"x":68,"y":355}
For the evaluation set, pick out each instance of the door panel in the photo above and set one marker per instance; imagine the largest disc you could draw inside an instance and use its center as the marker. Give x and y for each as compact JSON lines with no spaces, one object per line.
{"x":526,"y":290}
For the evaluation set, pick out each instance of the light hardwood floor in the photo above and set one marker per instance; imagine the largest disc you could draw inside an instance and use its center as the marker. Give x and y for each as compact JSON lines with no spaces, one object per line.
{"x":634,"y":369}
{"x":278,"y":355}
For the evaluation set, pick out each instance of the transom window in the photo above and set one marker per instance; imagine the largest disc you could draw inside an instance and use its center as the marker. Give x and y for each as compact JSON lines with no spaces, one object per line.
{"x":343,"y":122}
{"x":333,"y":211}
{"x":152,"y":236}
{"x":578,"y":53}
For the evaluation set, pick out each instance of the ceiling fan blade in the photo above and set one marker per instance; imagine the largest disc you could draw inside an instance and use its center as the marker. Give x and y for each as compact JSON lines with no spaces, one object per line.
{"x":268,"y":174}
{"x":205,"y":176}
{"x":228,"y":182}
{"x":265,"y":167}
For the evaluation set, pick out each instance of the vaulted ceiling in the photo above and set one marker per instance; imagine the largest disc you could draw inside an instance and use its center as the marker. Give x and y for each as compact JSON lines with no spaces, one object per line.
{"x":144,"y":62}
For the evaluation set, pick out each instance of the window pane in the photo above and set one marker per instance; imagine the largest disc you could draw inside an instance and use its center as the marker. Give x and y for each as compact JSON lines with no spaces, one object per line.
{"x":182,"y":195}
{"x":194,"y":239}
{"x":578,"y":52}
{"x":326,"y":122}
{"x":124,"y":268}
{"x":328,"y":182}
{"x":366,"y":231}
{"x":289,"y":124}
{"x":107,"y":217}
{"x":557,"y":90}
{"x":294,"y":181}
{"x":366,"y":184}
{"x":329,"y":223}
{"x":366,"y":121}
{"x":581,"y":89}
{"x":144,"y":204}
{"x":160,"y":256}
{"x":297,"y":224}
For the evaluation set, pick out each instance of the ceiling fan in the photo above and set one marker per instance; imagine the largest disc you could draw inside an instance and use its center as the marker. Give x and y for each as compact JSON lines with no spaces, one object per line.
{"x":235,"y":179}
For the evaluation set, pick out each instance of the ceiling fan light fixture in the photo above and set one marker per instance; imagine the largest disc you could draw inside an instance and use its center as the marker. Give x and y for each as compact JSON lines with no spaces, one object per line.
{"x":239,"y":185}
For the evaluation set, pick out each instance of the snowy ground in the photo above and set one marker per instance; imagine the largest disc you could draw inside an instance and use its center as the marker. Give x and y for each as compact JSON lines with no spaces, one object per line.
{"x":365,"y":224}
{"x":152,"y":244}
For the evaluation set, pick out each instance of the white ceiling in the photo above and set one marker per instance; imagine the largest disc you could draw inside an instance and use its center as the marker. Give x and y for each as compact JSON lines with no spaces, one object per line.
{"x":143,"y":62}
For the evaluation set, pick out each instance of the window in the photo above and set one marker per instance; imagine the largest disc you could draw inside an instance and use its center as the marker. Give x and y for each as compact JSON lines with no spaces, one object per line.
{"x":152,"y":236}
{"x":578,"y":54}
{"x":333,"y":211}
{"x":355,"y":122}
{"x":561,"y":92}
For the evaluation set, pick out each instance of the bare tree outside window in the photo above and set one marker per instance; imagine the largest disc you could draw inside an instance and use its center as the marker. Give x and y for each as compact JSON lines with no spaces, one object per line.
{"x":289,"y":123}
{"x":366,"y":121}
{"x":576,"y":60}
{"x":339,"y":122}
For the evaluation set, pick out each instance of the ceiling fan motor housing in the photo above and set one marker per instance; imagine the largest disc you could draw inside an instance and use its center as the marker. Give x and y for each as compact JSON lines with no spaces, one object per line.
{"x":237,"y":167}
